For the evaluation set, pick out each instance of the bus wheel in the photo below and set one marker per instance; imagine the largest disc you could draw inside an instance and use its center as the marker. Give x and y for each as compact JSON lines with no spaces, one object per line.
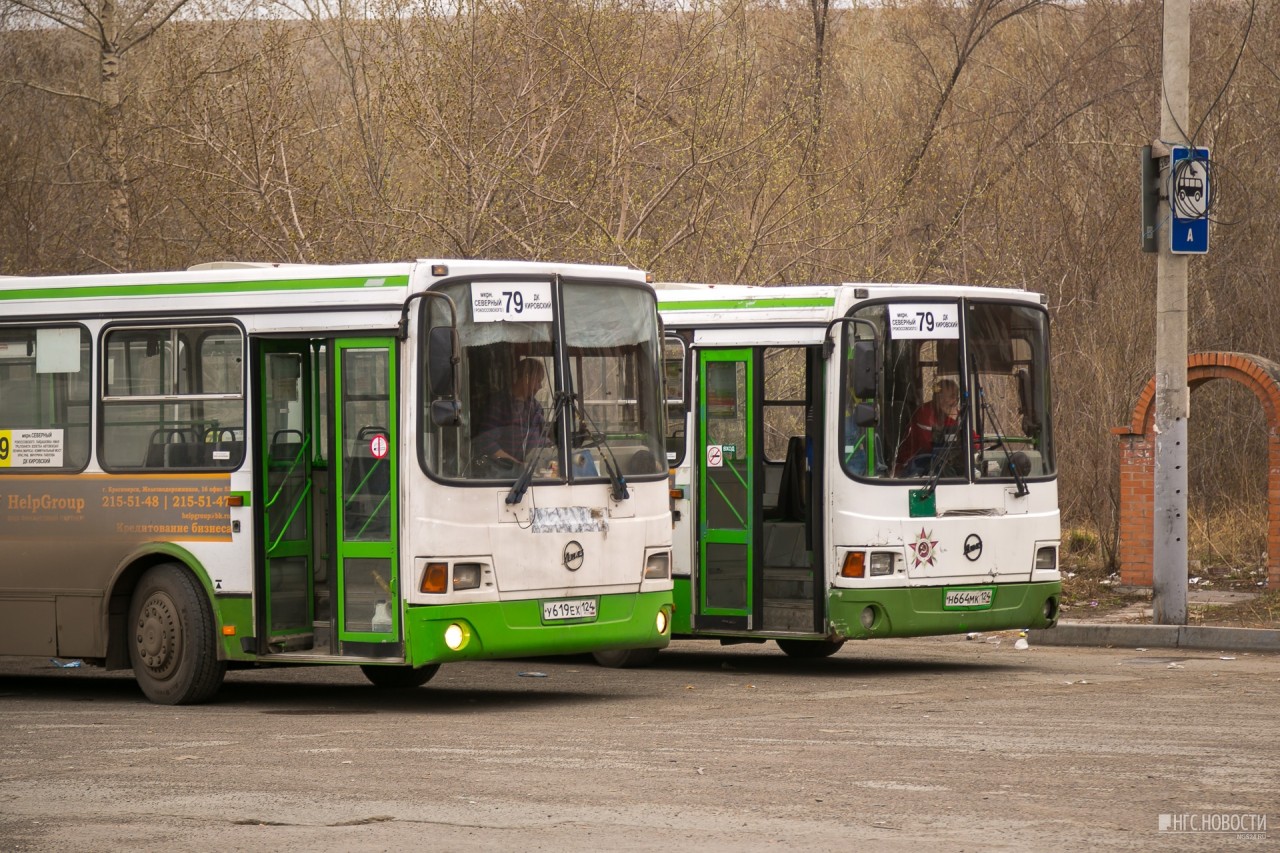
{"x":810,"y":649}
{"x":399,"y":677}
{"x":626,"y":658}
{"x":171,"y":638}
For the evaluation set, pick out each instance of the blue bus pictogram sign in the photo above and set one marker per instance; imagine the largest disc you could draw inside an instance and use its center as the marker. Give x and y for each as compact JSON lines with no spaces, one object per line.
{"x":1189,"y":201}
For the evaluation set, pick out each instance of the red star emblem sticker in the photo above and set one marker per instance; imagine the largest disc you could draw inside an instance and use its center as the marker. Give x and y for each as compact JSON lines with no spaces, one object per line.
{"x":924,"y":549}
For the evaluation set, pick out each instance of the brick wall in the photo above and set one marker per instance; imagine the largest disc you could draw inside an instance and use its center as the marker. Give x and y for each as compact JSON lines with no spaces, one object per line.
{"x":1137,"y":460}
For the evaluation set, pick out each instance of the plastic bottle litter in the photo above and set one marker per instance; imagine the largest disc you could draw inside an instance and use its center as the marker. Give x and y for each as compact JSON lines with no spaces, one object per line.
{"x":65,"y":664}
{"x":532,"y":674}
{"x":381,"y":618}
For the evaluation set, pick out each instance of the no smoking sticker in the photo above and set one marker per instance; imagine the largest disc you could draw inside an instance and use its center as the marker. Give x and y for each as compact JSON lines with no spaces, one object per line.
{"x":715,"y":456}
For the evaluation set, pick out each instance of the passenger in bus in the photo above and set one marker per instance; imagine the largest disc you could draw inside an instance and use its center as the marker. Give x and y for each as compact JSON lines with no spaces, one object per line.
{"x":930,"y":426}
{"x":513,"y":424}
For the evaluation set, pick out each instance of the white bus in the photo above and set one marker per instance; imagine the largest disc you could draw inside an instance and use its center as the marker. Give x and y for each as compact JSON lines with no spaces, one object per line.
{"x":256,"y":464}
{"x":817,"y":499}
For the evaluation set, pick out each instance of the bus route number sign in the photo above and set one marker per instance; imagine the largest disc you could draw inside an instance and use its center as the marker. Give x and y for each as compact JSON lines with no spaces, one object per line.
{"x":511,"y":301}
{"x":31,"y":448}
{"x":924,"y":320}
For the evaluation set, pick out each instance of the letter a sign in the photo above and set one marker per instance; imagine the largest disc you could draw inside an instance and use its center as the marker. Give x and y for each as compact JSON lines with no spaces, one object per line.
{"x":1189,"y":201}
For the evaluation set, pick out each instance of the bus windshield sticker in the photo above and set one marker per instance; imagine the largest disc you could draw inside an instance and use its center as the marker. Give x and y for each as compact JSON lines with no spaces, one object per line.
{"x":519,"y":301}
{"x":932,"y":320}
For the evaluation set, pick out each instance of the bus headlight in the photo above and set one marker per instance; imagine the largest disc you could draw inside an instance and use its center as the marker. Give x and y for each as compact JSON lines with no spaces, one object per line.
{"x":881,"y":563}
{"x":658,"y":566}
{"x":1046,"y":559}
{"x":466,"y":575}
{"x":661,"y":621}
{"x":456,"y":636}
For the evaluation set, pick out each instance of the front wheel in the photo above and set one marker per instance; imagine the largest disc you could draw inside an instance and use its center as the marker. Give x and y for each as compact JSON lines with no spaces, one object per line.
{"x":810,"y":649}
{"x":399,"y":677}
{"x":626,"y":658}
{"x":172,"y":643}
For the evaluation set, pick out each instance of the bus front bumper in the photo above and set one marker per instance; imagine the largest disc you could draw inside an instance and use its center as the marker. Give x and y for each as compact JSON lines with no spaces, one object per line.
{"x":509,"y":629}
{"x":861,"y":614}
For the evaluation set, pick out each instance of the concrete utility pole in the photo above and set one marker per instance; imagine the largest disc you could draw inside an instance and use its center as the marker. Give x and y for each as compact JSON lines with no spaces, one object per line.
{"x":1173,"y":397}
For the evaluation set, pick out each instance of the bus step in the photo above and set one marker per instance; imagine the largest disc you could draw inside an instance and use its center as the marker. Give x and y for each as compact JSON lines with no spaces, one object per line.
{"x":788,"y":615}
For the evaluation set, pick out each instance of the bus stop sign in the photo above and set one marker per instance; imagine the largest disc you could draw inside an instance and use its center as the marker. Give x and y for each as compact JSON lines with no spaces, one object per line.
{"x":1189,"y":201}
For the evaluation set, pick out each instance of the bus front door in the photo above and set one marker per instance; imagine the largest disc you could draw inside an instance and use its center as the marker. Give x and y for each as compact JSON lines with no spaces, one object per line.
{"x":366,"y":472}
{"x":725,"y":590}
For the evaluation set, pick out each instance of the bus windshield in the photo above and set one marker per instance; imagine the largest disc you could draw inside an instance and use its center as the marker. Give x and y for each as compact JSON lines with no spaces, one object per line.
{"x":963,"y":393}
{"x":575,"y":400}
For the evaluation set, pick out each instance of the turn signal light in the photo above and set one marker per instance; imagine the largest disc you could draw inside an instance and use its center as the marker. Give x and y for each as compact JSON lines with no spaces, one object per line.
{"x":435,"y":578}
{"x":854,"y":565}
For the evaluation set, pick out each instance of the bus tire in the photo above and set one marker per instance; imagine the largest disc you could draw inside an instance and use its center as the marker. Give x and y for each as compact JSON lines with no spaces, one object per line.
{"x":810,"y":649}
{"x":625,"y":658}
{"x":399,"y":677}
{"x":172,"y":643}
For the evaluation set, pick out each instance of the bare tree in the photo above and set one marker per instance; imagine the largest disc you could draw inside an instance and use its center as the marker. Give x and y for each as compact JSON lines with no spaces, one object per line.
{"x":114,"y":28}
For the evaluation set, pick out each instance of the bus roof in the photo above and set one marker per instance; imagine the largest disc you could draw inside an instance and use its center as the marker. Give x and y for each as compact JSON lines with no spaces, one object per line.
{"x":239,"y":286}
{"x":693,"y":304}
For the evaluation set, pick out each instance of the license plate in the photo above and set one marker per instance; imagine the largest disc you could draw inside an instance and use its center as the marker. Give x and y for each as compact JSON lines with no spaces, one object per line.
{"x":573,"y":608}
{"x":967,"y":598}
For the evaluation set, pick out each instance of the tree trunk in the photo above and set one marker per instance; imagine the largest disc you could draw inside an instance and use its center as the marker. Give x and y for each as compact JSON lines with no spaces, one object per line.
{"x":113,"y":153}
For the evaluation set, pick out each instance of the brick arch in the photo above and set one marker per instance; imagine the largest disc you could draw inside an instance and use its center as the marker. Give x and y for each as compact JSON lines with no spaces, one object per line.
{"x":1137,"y":459}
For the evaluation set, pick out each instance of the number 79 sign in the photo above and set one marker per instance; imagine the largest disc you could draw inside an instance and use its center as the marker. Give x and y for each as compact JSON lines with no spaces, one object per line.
{"x":512,"y":301}
{"x":931,"y":320}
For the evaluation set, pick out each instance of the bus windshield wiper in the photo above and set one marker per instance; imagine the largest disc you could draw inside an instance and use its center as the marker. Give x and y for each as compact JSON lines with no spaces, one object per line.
{"x":598,"y":439}
{"x":521,"y":485}
{"x":1014,"y":466}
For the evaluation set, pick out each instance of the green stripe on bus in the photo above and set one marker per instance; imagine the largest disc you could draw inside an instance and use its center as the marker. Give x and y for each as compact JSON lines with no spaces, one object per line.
{"x":172,"y":288}
{"x":721,"y":304}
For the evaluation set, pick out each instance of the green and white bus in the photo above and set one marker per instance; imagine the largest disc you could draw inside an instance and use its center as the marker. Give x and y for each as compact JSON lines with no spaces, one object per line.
{"x":255,"y":464}
{"x":800,"y":517}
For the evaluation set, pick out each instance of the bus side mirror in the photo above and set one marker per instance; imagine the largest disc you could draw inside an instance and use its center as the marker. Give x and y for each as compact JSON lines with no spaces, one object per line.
{"x":864,"y":415}
{"x":442,"y":356}
{"x":866,"y":360}
{"x":442,"y":348}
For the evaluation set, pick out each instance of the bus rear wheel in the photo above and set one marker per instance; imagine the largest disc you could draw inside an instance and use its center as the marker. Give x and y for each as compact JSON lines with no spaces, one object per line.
{"x":172,"y":646}
{"x":399,"y":677}
{"x":810,"y":649}
{"x":626,"y":658}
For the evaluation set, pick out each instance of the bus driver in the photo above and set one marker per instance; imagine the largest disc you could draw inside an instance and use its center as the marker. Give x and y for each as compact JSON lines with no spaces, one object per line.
{"x":513,"y":424}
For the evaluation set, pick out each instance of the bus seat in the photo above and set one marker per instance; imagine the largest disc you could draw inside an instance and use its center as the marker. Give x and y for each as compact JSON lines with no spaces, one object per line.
{"x":791,"y":497}
{"x":166,"y":443}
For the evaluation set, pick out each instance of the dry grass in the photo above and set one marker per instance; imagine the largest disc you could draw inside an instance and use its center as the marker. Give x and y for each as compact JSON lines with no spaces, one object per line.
{"x":1262,"y":611}
{"x":1224,"y":556}
{"x":1227,"y":546}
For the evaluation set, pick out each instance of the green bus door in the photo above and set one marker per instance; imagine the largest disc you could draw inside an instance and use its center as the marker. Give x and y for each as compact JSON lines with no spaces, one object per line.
{"x":328,"y":510}
{"x":287,"y":450}
{"x":726,"y":490}
{"x":366,"y":527}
